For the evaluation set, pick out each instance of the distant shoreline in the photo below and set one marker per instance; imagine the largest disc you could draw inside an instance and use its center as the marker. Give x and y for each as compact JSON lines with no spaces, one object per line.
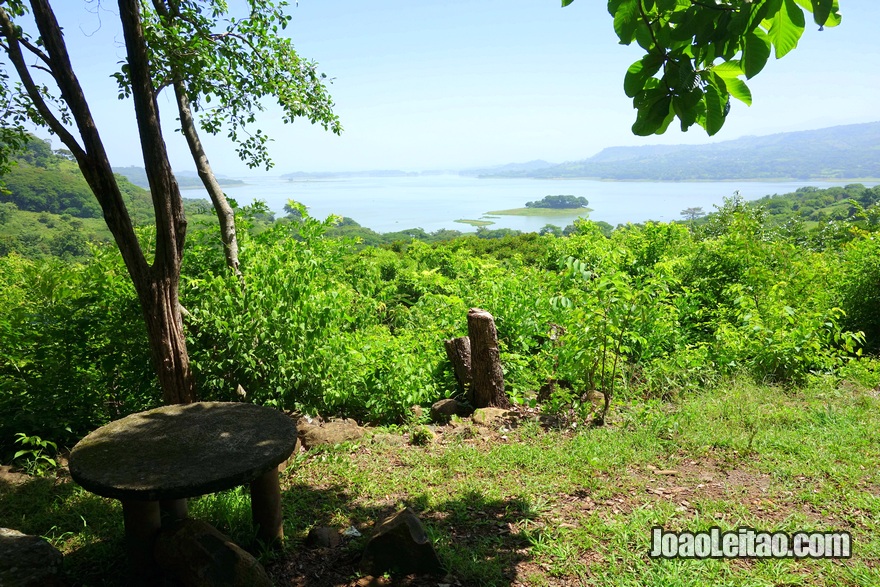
{"x":644,"y":180}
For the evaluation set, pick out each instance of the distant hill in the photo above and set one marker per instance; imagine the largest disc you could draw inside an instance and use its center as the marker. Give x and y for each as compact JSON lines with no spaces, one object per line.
{"x":185,"y":179}
{"x":840,"y":152}
{"x":47,"y":208}
{"x":514,"y":168}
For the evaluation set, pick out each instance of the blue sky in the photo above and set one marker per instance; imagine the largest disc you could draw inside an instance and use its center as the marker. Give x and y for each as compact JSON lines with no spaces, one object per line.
{"x":453,"y":84}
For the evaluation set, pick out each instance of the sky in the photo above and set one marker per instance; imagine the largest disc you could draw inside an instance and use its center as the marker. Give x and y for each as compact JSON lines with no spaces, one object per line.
{"x":454,"y":84}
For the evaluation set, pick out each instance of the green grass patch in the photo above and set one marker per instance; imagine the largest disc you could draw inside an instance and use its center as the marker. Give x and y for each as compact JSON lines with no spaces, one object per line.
{"x":548,"y":212}
{"x":545,"y":506}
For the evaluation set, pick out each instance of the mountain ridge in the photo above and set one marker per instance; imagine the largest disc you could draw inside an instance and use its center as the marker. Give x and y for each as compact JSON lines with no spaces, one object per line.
{"x":839,"y":152}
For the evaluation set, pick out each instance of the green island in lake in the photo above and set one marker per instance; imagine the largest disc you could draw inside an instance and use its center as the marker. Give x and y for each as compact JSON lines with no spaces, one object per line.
{"x":477,"y":223}
{"x":549,"y":206}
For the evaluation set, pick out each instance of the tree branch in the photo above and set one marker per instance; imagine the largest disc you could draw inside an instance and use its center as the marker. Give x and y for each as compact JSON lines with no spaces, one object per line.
{"x":92,"y":157}
{"x":35,"y":50}
{"x":13,"y":50}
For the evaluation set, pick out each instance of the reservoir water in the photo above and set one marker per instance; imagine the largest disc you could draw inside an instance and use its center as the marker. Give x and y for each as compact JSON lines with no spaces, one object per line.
{"x":432,"y":202}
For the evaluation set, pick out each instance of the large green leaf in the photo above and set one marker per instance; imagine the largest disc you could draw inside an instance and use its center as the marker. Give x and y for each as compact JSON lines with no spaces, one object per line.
{"x":756,"y":52}
{"x":654,"y":107}
{"x":716,"y":106}
{"x":626,"y":19}
{"x":639,"y":72}
{"x":786,"y":27}
{"x":735,"y":87}
{"x":729,"y":69}
{"x":825,"y":12}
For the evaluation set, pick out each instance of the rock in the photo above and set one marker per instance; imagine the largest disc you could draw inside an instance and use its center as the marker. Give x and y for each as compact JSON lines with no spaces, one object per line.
{"x":198,"y":555}
{"x":28,"y":561}
{"x":490,"y":416}
{"x":597,"y":398}
{"x":443,"y":410}
{"x":400,"y":545}
{"x":333,"y":432}
{"x":323,"y":537}
{"x":7,"y":475}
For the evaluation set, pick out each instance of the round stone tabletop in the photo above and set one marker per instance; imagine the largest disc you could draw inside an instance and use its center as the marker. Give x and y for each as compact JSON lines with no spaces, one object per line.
{"x":182,"y":450}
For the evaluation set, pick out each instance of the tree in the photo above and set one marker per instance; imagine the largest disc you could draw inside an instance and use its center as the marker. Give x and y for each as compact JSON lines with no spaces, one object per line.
{"x":66,"y":113}
{"x":692,"y":214}
{"x":232,"y":67}
{"x":697,"y":52}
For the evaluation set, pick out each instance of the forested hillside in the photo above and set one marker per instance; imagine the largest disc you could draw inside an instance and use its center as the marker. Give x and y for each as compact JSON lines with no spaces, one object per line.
{"x":840,"y":152}
{"x":47,"y":209}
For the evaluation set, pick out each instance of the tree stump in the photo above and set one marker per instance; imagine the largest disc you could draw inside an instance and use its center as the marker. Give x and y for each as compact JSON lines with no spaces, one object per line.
{"x":458,"y":350}
{"x":486,"y":374}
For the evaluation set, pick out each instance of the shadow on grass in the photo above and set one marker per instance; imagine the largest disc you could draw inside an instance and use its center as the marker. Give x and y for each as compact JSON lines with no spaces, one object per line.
{"x":475,"y":537}
{"x":86,"y":527}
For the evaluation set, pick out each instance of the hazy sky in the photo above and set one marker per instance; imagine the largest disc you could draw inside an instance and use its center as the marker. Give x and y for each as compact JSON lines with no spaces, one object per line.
{"x":451,"y":84}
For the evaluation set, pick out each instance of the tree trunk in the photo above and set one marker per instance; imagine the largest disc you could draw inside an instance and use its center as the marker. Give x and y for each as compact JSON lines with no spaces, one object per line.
{"x":458,"y":350}
{"x":159,"y":294}
{"x":225,"y":215}
{"x":156,"y":284}
{"x":488,"y":379}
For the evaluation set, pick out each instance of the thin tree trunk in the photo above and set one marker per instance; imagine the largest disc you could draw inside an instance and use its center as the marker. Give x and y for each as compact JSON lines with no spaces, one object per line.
{"x":225,"y":215}
{"x":458,"y":350}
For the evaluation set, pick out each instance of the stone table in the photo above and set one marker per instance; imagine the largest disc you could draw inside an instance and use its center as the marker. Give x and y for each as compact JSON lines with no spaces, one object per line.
{"x":168,"y":454}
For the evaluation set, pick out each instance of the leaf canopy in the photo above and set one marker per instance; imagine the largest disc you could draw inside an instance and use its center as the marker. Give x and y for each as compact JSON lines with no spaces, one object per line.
{"x":697,"y":53}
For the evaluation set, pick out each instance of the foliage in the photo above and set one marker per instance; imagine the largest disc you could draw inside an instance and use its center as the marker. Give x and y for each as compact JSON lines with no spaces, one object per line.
{"x":74,"y":350}
{"x":565,"y":202}
{"x":36,"y":454}
{"x":858,"y":289}
{"x":231,"y":65}
{"x":696,"y":53}
{"x":325,"y":326}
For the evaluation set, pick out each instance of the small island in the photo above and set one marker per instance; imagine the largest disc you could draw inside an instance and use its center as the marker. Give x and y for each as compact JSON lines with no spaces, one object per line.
{"x":477,"y":223}
{"x":566,"y":205}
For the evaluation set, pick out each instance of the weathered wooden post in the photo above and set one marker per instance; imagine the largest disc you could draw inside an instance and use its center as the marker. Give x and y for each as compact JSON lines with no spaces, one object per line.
{"x":486,"y":374}
{"x":458,"y":350}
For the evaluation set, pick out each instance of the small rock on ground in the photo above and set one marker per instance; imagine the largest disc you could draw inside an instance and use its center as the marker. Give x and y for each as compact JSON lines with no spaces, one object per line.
{"x":332,"y":432}
{"x":28,"y":561}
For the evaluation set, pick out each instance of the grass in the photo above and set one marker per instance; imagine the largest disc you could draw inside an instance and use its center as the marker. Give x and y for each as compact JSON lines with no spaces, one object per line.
{"x":537,"y":506}
{"x":548,"y":212}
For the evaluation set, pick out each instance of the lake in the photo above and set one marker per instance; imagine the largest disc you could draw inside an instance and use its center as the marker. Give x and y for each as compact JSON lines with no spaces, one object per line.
{"x":432,"y":202}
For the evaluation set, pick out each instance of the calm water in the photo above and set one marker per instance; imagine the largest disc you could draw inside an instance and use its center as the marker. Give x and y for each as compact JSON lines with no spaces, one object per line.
{"x":435,"y":202}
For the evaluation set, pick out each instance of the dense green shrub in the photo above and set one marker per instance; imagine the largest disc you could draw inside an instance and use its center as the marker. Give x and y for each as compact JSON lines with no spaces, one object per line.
{"x":327,"y":326}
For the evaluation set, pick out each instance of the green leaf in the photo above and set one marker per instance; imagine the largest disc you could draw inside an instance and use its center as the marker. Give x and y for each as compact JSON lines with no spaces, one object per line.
{"x":728,"y":69}
{"x":626,"y":20}
{"x":566,"y":2}
{"x":786,"y":28}
{"x":739,"y":90}
{"x":756,"y":52}
{"x":639,"y":72}
{"x":716,"y":105}
{"x":654,"y":112}
{"x":825,"y":12}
